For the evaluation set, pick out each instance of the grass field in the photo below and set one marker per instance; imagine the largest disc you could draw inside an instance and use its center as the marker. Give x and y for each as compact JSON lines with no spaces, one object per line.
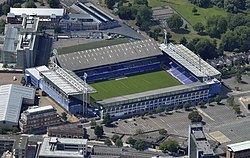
{"x":133,"y":84}
{"x":184,"y":8}
{"x":92,"y":45}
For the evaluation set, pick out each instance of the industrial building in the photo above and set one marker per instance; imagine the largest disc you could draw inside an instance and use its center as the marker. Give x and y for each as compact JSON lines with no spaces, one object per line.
{"x":198,"y":145}
{"x":63,"y":148}
{"x":37,"y":119}
{"x":48,"y":17}
{"x":238,"y":150}
{"x":63,"y":86}
{"x":12,"y":97}
{"x":27,"y":43}
{"x":199,"y":79}
{"x":16,"y":145}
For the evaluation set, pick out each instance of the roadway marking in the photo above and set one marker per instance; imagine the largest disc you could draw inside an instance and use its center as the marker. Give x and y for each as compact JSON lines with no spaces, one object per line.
{"x":205,"y":114}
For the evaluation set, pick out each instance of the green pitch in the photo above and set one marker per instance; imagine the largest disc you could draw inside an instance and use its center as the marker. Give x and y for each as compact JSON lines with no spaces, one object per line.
{"x":133,"y":84}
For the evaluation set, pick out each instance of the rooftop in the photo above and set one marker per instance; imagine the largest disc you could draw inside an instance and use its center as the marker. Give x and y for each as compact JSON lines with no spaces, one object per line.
{"x":109,"y":55}
{"x":11,"y":99}
{"x":19,"y":142}
{"x":37,"y":11}
{"x":49,"y":147}
{"x":190,"y":60}
{"x":239,"y":146}
{"x":39,"y":109}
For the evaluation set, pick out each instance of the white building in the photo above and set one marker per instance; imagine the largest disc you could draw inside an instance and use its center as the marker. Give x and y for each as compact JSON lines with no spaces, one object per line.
{"x":11,"y":99}
{"x":63,"y":148}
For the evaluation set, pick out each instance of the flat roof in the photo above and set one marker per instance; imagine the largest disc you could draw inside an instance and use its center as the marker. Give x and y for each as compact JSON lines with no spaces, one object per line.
{"x":10,"y":39}
{"x":39,"y":109}
{"x":11,"y":97}
{"x":47,"y":150}
{"x":150,"y":93}
{"x":189,"y":60}
{"x":240,"y":146}
{"x":37,"y":11}
{"x":109,"y":55}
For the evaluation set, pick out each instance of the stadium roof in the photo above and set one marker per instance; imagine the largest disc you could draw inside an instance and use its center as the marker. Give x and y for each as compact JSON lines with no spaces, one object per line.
{"x":11,"y":98}
{"x":157,"y":92}
{"x":190,"y":60}
{"x":240,"y":146}
{"x":109,"y":55}
{"x":37,"y":11}
{"x":67,"y":82}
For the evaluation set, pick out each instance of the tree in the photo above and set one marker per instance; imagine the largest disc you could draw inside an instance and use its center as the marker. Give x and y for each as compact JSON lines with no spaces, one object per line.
{"x":238,"y":77}
{"x":107,"y":142}
{"x":93,"y":122}
{"x":14,"y":130}
{"x":183,"y":41}
{"x":216,"y":25}
{"x":98,"y":131}
{"x":194,"y":10}
{"x":5,"y":9}
{"x":163,"y":132}
{"x":54,"y":3}
{"x":107,"y":120}
{"x":119,"y":143}
{"x":85,"y":133}
{"x":64,"y":116}
{"x":110,"y":3}
{"x":131,"y":140}
{"x":125,"y":12}
{"x":175,"y":22}
{"x":199,"y":27}
{"x":209,"y":102}
{"x":186,"y":106}
{"x":30,"y":4}
{"x":217,"y":99}
{"x":194,"y":116}
{"x":115,"y":137}
{"x":143,"y":17}
{"x":141,"y":2}
{"x":200,"y":103}
{"x":139,"y":145}
{"x":159,"y":109}
{"x":17,"y":5}
{"x":170,"y":145}
{"x":168,"y":37}
{"x":230,"y":101}
{"x":236,"y":108}
{"x":230,"y":40}
{"x":139,"y":131}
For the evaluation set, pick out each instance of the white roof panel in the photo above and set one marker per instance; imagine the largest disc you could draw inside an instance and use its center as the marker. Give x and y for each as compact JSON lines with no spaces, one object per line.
{"x":11,"y":97}
{"x":240,"y":146}
{"x":37,"y":11}
{"x":38,"y":109}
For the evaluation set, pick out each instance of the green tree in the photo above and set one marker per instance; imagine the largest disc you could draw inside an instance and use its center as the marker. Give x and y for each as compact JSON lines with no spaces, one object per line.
{"x":131,"y":140}
{"x":107,"y":142}
{"x":238,"y":77}
{"x":5,"y":9}
{"x":85,"y":134}
{"x":230,"y":101}
{"x":170,"y":145}
{"x":119,"y":143}
{"x":236,"y":108}
{"x":140,"y":2}
{"x":159,"y":109}
{"x":217,"y":99}
{"x":199,"y":27}
{"x":143,"y":17}
{"x":64,"y":116}
{"x":17,"y":5}
{"x":194,"y":116}
{"x":209,"y":102}
{"x":93,"y":122}
{"x":125,"y":12}
{"x":110,"y":3}
{"x":230,"y":40}
{"x":175,"y":22}
{"x":107,"y":120}
{"x":30,"y":4}
{"x":14,"y":130}
{"x":186,"y":106}
{"x":216,"y":25}
{"x":54,"y":3}
{"x":183,"y":41}
{"x":168,"y":37}
{"x":139,"y":145}
{"x":115,"y":137}
{"x":98,"y":131}
{"x":194,"y":10}
{"x":163,"y":132}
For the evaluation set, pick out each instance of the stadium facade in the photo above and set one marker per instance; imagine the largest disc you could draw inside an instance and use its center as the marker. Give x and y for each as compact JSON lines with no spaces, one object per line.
{"x":199,"y":79}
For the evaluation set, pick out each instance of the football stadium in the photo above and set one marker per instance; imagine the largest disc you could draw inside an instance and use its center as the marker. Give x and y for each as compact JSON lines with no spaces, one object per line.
{"x":137,"y":77}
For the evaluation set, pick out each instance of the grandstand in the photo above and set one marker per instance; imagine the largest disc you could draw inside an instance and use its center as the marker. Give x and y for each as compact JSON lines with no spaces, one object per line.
{"x":108,"y":66}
